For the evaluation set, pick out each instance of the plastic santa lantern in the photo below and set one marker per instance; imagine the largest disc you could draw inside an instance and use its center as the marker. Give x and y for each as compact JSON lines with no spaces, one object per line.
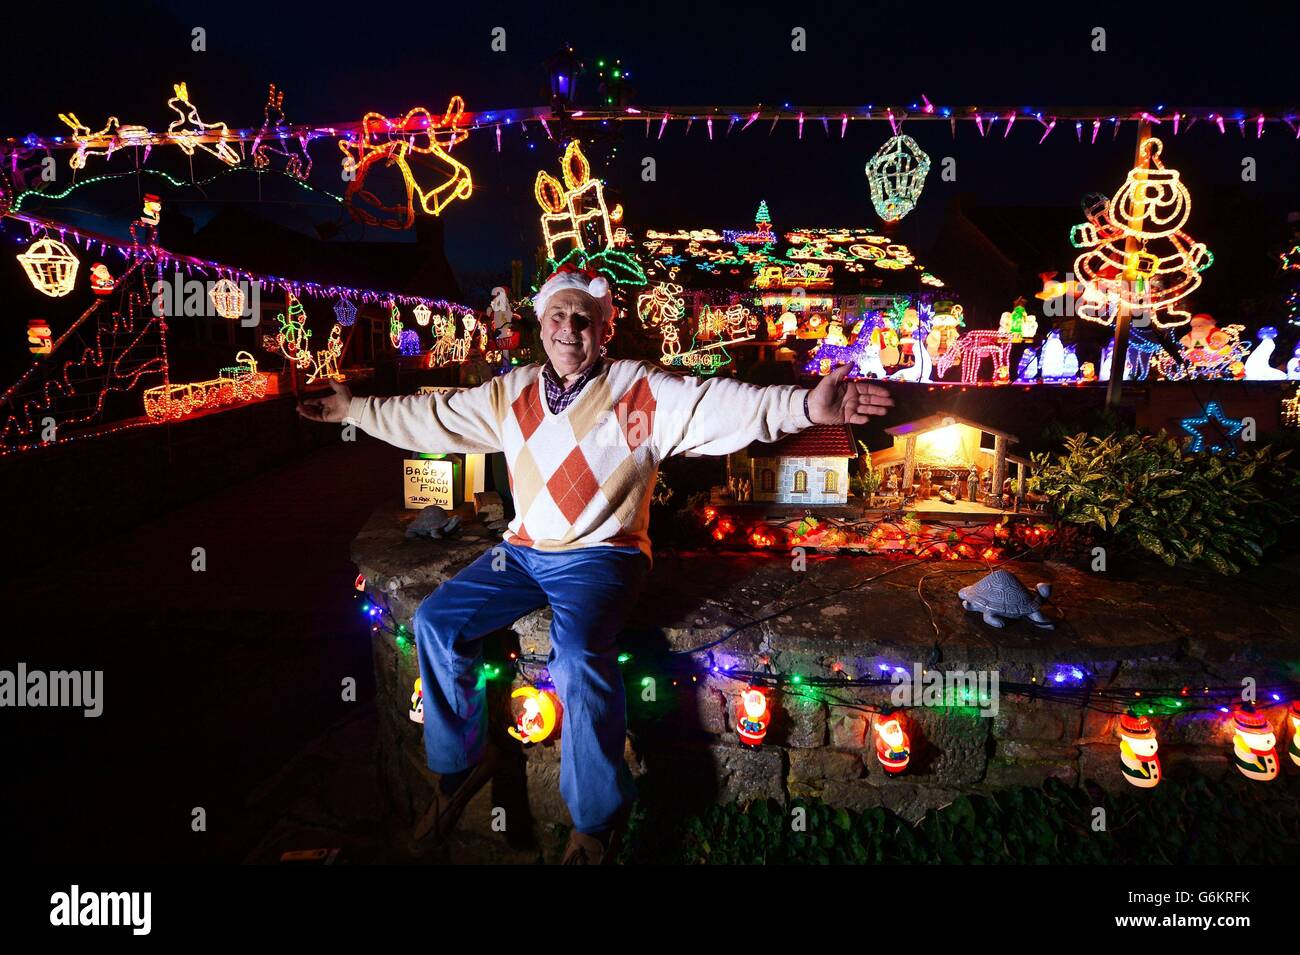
{"x":1137,"y":751}
{"x":1254,"y":747}
{"x":893,"y":748}
{"x":752,"y":717}
{"x":1294,"y":747}
{"x":416,"y":713}
{"x":539,"y":716}
{"x":101,"y":283}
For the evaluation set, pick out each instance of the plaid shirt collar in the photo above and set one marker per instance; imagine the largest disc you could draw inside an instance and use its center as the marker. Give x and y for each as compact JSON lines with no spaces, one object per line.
{"x":559,"y":397}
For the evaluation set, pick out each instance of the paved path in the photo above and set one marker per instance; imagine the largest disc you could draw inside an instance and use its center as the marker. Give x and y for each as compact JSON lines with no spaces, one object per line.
{"x":214,"y":681}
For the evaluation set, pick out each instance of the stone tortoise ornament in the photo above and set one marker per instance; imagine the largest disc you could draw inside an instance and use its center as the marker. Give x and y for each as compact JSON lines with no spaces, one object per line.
{"x":433,"y":522}
{"x":1000,"y":597}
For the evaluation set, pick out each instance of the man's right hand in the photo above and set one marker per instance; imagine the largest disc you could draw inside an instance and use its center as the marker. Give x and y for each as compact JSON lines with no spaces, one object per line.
{"x":331,"y":409}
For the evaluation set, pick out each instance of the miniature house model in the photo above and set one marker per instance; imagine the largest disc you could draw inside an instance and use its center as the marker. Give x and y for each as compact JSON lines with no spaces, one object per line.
{"x":811,"y":467}
{"x":949,"y":452}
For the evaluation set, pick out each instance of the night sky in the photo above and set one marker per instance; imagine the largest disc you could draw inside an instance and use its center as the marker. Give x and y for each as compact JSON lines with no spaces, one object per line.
{"x":334,"y":66}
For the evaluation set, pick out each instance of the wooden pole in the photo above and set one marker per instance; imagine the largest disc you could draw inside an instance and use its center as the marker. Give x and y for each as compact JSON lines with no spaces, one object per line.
{"x":1119,"y":349}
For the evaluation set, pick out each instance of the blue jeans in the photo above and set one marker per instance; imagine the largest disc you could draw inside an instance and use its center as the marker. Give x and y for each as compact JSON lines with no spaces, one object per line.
{"x":589,"y":591}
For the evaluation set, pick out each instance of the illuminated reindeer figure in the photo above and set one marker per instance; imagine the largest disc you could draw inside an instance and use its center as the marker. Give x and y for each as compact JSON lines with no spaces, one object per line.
{"x":294,"y":165}
{"x":972,"y":348}
{"x":188,"y":139}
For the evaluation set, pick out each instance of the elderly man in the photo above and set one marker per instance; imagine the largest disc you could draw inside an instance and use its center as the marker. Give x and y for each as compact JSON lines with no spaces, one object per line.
{"x":583,"y":437}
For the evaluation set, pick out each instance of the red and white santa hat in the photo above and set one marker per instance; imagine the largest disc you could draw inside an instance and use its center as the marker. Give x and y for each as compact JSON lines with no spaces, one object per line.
{"x":584,"y":280}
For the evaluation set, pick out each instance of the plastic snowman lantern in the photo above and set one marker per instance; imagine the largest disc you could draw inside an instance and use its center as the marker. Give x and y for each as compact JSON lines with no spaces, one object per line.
{"x":416,"y":713}
{"x":1137,"y":751}
{"x":1293,"y":748}
{"x":1254,"y":747}
{"x":1293,"y":366}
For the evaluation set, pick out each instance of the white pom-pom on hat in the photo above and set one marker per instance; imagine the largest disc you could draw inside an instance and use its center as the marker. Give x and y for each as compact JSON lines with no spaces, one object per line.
{"x":597,"y":287}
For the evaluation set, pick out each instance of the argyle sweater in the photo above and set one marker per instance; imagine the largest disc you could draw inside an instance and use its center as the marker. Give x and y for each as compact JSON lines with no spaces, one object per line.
{"x":585,"y":477}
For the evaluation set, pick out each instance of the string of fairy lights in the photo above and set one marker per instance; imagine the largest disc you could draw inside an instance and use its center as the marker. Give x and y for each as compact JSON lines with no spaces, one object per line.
{"x":1066,"y":683}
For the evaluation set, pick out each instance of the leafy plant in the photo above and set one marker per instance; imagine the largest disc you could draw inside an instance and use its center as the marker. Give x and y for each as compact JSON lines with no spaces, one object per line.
{"x":1146,"y":492}
{"x":1196,"y":822}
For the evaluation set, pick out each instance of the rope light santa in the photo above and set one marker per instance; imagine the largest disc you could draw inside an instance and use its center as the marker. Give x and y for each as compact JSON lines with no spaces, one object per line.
{"x":1136,"y":252}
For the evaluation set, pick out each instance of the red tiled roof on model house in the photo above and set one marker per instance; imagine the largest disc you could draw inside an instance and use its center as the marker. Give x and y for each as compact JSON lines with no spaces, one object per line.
{"x":821,"y":440}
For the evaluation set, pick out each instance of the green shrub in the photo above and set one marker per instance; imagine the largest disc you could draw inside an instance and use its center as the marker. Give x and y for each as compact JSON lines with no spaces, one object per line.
{"x":1193,"y":821}
{"x":1146,"y":492}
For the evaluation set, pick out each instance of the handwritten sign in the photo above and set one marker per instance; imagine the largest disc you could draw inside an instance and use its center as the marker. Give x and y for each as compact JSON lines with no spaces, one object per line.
{"x":428,"y":481}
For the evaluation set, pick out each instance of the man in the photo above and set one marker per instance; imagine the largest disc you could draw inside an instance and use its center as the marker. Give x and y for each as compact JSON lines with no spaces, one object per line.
{"x":583,"y":438}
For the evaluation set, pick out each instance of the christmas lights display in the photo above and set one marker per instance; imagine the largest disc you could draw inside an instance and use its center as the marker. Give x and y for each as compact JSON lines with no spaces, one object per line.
{"x":1254,"y":745}
{"x":1136,"y":710}
{"x":345,"y":313}
{"x":101,"y":280}
{"x":895,"y":175}
{"x":539,"y":715}
{"x":893,"y":748}
{"x":292,"y":338}
{"x":416,"y":712}
{"x":576,"y":221}
{"x":127,"y":348}
{"x":1136,"y":255}
{"x":385,"y":142}
{"x":227,"y":299}
{"x":1213,"y":419}
{"x":274,"y":138}
{"x":198,"y":134}
{"x":325,"y":363}
{"x":238,"y":383}
{"x":1293,"y":748}
{"x":1137,"y":751}
{"x":1258,"y":365}
{"x":51,"y":267}
{"x":971,"y":349}
{"x":752,"y":717}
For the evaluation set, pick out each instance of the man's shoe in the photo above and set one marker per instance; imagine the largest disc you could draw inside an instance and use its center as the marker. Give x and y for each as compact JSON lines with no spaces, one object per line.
{"x":592,"y":850}
{"x":585,"y":850}
{"x":440,"y":819}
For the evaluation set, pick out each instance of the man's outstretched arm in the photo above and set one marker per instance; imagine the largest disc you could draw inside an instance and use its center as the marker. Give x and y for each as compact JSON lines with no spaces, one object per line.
{"x":437,"y":423}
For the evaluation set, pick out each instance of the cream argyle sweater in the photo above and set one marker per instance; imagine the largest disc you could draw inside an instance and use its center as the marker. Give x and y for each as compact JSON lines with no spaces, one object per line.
{"x":585,"y":477}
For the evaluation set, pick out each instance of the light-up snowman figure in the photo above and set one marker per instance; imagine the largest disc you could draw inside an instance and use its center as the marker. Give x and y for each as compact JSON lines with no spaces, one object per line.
{"x":1137,"y":751}
{"x":1254,"y":747}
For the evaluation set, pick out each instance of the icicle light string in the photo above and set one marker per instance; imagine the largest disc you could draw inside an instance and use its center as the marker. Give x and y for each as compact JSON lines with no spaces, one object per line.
{"x":163,"y":259}
{"x":1180,"y":119}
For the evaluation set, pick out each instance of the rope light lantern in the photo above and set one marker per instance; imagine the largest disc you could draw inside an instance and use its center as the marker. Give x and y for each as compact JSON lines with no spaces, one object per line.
{"x":896,"y":174}
{"x":51,"y":266}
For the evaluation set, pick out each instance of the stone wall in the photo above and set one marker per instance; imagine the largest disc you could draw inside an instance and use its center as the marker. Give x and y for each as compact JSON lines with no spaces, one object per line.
{"x":1167,"y":629}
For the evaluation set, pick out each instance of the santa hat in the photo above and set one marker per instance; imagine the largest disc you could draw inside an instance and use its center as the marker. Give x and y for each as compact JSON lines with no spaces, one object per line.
{"x":583,"y":280}
{"x":1136,"y":727}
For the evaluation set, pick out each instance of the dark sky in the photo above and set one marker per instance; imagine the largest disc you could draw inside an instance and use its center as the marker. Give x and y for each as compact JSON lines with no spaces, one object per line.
{"x":335,"y":62}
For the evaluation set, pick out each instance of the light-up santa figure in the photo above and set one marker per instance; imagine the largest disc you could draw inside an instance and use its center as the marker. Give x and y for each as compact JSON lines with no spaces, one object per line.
{"x":1165,"y":265}
{"x":752,"y":717}
{"x":1137,"y":751}
{"x":1254,"y":747}
{"x":893,"y":748}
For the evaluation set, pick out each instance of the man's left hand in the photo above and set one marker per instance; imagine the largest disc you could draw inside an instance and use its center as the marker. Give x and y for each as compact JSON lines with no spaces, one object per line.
{"x":838,"y":401}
